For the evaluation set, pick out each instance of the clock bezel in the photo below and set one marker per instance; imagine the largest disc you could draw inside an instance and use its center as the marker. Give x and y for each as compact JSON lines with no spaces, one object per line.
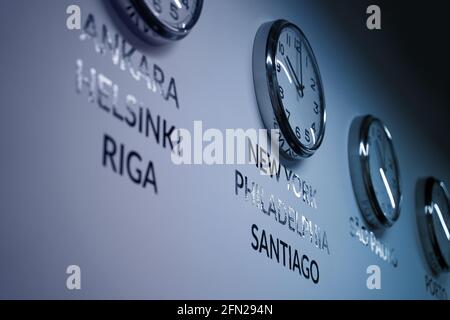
{"x":361,"y":176}
{"x":266,"y":86}
{"x":155,"y":31}
{"x":426,"y":225}
{"x":163,"y":29}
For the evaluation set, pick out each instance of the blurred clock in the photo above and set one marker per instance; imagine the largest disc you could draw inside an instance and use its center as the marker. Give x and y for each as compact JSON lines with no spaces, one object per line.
{"x":160,"y":21}
{"x":374,"y":171}
{"x":433,"y":217}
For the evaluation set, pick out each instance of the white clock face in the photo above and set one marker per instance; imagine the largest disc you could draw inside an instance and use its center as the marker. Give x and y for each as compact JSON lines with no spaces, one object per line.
{"x":383,"y":169}
{"x":441,"y":219}
{"x":289,"y":88}
{"x":176,"y":14}
{"x":299,"y":86}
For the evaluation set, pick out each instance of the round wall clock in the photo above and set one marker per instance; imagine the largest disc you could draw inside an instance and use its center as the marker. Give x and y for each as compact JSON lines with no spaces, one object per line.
{"x":374,"y":171}
{"x":433,"y":217}
{"x":160,"y":21}
{"x":289,"y":88}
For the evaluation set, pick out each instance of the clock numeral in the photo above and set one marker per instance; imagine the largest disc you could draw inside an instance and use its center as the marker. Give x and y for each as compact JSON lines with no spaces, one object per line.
{"x":289,"y":152}
{"x":307,"y":136}
{"x":174,"y":11}
{"x":281,"y":92}
{"x":281,"y":141}
{"x":395,"y":183}
{"x":313,"y":84}
{"x":157,"y":5}
{"x":313,"y":127}
{"x":288,"y":39}
{"x":316,"y":108}
{"x":275,"y":124}
{"x":281,"y":48}
{"x":134,"y":17}
{"x":298,"y":45}
{"x":288,"y":113}
{"x":278,"y":67}
{"x":380,"y":150}
{"x":185,"y":3}
{"x":297,"y":133}
{"x":391,"y":165}
{"x":380,"y":134}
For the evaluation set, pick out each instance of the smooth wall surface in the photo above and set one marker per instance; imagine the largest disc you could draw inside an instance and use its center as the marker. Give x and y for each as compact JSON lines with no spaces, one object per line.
{"x":192,"y":239}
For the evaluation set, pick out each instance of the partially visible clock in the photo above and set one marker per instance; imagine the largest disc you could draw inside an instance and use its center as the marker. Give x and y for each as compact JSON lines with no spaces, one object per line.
{"x":160,"y":21}
{"x":374,"y":171}
{"x":289,"y":88}
{"x":433,"y":217}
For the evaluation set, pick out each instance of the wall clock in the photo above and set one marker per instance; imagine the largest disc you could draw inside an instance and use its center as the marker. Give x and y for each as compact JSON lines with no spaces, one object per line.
{"x":160,"y":21}
{"x":433,"y":217}
{"x":288,"y":88}
{"x":374,"y":171}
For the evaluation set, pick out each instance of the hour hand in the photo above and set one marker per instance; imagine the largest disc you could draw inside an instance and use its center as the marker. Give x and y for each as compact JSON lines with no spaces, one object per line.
{"x":300,"y":87}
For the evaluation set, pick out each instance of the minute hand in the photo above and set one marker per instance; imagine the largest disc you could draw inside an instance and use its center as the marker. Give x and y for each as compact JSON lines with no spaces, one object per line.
{"x":299,"y":86}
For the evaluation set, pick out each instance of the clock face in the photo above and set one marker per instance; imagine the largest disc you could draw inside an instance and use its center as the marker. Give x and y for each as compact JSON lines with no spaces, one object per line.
{"x":374,"y":171}
{"x":289,"y":88}
{"x":433,"y":218}
{"x":382,"y":170}
{"x":175,"y":14}
{"x":160,"y":21}
{"x":440,"y":212}
{"x":299,"y":86}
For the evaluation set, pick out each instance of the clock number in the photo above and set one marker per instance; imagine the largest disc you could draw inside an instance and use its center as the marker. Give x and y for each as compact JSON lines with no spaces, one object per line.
{"x":380,"y":143}
{"x":395,"y":183}
{"x":278,"y":67}
{"x":174,"y":11}
{"x":313,"y":127}
{"x":316,"y":108}
{"x":379,"y":134}
{"x":185,"y":3}
{"x":157,"y":5}
{"x":134,"y":17}
{"x":391,"y":167}
{"x":288,"y":113}
{"x":297,"y":133}
{"x":307,"y":136}
{"x":313,"y":84}
{"x":281,"y":48}
{"x":281,"y":141}
{"x":298,"y":45}
{"x":289,"y":152}
{"x":281,"y":92}
{"x":288,"y":39}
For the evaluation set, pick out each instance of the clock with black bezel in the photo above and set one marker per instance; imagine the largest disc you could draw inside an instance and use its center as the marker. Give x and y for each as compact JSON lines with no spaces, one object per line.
{"x":433,"y":218}
{"x":160,"y":21}
{"x":374,"y":171}
{"x":289,"y":88}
